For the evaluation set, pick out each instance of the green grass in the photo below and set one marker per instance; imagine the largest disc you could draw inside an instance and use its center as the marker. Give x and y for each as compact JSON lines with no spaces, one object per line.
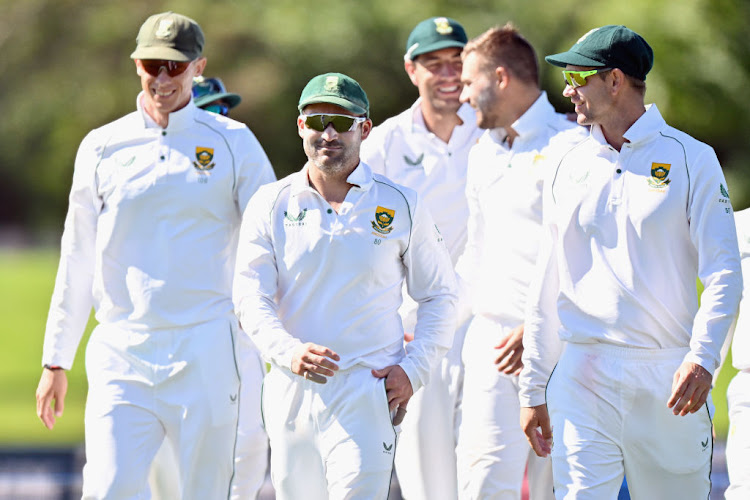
{"x":25,"y":290}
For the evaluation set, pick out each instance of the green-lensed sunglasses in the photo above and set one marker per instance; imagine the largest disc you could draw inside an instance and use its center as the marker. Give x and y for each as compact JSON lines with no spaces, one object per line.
{"x":578,"y":78}
{"x":341,"y":123}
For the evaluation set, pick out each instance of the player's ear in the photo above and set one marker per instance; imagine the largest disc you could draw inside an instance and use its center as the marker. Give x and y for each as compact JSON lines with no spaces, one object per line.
{"x":366,"y":128}
{"x":410,"y":67}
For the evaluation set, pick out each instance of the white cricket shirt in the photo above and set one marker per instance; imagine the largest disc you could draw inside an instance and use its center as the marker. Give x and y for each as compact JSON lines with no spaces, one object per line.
{"x":402,"y":149}
{"x":152,"y":223}
{"x":741,"y":339}
{"x":629,"y":232}
{"x":308,"y":274}
{"x":504,"y":191}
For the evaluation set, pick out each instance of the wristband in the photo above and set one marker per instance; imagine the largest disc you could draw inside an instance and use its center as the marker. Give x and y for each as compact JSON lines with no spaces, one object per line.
{"x":53,"y":367}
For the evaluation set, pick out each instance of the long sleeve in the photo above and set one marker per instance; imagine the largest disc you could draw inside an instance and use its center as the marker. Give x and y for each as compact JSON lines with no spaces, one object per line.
{"x":72,"y":297}
{"x":256,"y":285}
{"x":430,"y":281}
{"x":714,"y":235}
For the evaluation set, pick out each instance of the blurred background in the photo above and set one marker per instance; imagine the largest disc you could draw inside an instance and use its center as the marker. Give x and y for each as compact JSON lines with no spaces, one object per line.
{"x":66,"y":69}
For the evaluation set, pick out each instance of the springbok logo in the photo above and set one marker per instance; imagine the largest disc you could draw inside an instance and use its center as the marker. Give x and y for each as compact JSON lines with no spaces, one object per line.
{"x":383,"y":219}
{"x":659,"y":173}
{"x":165,"y":29}
{"x":205,"y":158}
{"x":442,"y":26}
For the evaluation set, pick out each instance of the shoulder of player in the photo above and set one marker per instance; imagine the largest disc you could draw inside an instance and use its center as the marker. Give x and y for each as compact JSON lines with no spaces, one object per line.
{"x":399,"y":123}
{"x":395,"y":193}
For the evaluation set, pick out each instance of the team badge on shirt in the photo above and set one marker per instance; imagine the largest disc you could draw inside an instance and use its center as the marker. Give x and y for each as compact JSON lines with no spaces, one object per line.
{"x":383,"y":219}
{"x":659,"y":174}
{"x":204,"y":157}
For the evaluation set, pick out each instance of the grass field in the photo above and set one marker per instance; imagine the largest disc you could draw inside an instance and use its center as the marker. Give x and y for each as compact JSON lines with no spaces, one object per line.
{"x":25,"y":290}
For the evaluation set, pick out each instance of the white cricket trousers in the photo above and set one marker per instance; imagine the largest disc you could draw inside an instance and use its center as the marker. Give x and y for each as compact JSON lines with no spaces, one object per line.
{"x":493,"y":452}
{"x":143,"y":387}
{"x":738,"y":440}
{"x":609,"y":415}
{"x":426,"y":458}
{"x":251,"y":450}
{"x":329,"y":441}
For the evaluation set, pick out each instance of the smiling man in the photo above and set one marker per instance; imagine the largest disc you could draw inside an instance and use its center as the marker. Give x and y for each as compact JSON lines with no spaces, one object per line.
{"x":426,"y":148}
{"x":149,"y":241}
{"x":632,"y":347}
{"x":321,"y":261}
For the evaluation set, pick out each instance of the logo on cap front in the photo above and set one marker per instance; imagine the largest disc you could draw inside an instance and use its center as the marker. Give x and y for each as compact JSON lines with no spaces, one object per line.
{"x":442,"y":26}
{"x":586,"y":35}
{"x":332,"y":83}
{"x":165,"y":29}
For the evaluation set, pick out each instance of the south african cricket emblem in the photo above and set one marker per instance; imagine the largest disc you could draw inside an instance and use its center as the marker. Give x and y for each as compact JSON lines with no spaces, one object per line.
{"x":659,"y":173}
{"x":204,"y":157}
{"x":383,"y":219}
{"x":442,"y":26}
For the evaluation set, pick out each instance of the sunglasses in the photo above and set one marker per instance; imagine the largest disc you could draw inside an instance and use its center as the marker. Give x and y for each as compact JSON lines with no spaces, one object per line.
{"x":174,"y":68}
{"x":341,"y":123}
{"x":578,"y":78}
{"x":221,"y":109}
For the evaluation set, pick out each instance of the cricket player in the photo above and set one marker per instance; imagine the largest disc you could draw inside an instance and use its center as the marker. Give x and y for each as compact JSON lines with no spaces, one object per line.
{"x":634,"y":214}
{"x":738,"y":392}
{"x":149,"y":241}
{"x":322,"y":257}
{"x":426,"y":148}
{"x":251,"y":450}
{"x":523,"y":141}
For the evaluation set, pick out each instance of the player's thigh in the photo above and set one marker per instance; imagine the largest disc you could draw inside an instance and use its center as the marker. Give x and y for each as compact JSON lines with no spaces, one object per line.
{"x":120,"y":445}
{"x":359,"y":442}
{"x":665,"y":455}
{"x":738,"y":439}
{"x":296,"y":467}
{"x":586,"y":423}
{"x":251,"y":450}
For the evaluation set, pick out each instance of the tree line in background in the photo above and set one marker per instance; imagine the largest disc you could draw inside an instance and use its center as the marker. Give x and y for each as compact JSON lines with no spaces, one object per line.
{"x":66,"y":69}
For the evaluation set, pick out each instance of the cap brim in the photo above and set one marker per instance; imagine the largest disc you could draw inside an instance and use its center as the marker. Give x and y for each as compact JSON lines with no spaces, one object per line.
{"x":231,"y":99}
{"x":444,"y":44}
{"x":574,"y":59}
{"x":338,"y":101}
{"x":166,"y":53}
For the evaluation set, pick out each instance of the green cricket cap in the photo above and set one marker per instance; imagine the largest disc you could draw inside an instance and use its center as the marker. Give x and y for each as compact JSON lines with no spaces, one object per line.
{"x":208,"y":90}
{"x":433,"y":34}
{"x":611,"y":46}
{"x":338,"y":89}
{"x":169,"y":36}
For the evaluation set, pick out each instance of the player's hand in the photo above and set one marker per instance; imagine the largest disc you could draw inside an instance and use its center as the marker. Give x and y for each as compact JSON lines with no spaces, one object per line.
{"x":509,"y":352}
{"x":52,"y":387}
{"x":532,"y":420}
{"x":690,"y":387}
{"x":313,"y":362}
{"x":408,"y":337}
{"x":397,"y":387}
